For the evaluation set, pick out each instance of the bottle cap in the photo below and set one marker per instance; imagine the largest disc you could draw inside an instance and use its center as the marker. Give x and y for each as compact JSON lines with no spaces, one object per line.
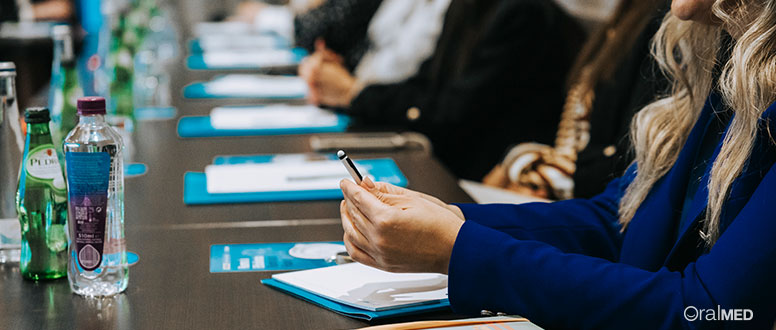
{"x":7,"y":69}
{"x":7,"y":66}
{"x":60,"y":31}
{"x":92,"y":105}
{"x":37,"y":115}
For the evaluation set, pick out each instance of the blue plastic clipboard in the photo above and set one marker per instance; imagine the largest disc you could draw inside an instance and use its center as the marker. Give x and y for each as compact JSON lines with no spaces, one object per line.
{"x":197,"y":62}
{"x":199,"y":126}
{"x":195,"y":46}
{"x":155,"y":113}
{"x":195,"y":187}
{"x":135,"y":169}
{"x":198,"y":90}
{"x":353,"y":312}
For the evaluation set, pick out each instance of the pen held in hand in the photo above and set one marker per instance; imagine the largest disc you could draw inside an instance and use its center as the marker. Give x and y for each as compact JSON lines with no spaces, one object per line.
{"x":350,"y":167}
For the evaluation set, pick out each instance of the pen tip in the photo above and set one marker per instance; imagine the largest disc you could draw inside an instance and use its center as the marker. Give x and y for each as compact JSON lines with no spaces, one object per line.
{"x":341,"y":154}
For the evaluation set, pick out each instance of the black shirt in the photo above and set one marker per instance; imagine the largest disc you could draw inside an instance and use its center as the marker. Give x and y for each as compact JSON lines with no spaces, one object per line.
{"x":497,"y":78}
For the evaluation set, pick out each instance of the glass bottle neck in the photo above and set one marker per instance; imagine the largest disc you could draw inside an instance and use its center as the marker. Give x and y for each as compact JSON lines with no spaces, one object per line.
{"x":38,"y":133}
{"x":8,"y":86}
{"x":63,"y":49}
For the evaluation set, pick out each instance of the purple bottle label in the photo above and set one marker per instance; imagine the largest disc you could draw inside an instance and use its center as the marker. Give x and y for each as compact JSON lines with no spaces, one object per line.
{"x":88,"y":179}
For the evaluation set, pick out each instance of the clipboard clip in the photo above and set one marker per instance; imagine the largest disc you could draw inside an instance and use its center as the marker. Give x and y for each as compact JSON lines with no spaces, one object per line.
{"x":340,"y":258}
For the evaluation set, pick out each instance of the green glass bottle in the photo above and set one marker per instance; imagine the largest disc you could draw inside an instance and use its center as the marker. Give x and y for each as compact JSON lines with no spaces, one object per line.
{"x":122,"y":57}
{"x":41,"y":202}
{"x":65,"y":88}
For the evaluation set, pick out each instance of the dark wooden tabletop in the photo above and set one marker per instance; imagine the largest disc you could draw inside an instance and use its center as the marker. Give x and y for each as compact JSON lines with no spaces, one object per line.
{"x":171,"y":286}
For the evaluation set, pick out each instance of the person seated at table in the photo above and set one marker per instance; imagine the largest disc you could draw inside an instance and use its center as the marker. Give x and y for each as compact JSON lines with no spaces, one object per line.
{"x":380,"y":41}
{"x":342,"y":24}
{"x":495,"y":78}
{"x":685,"y":235}
{"x":613,"y":77}
{"x":36,"y":10}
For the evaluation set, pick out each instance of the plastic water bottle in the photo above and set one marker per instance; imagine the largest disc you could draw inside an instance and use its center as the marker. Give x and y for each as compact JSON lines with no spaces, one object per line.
{"x":97,"y":264}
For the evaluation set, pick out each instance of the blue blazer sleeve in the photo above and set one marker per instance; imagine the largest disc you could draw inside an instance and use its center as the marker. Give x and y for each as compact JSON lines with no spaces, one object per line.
{"x":490,"y":269}
{"x":585,"y":226}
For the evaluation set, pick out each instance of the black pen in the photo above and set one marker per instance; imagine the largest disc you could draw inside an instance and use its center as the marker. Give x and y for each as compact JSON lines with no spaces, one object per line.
{"x":350,"y":167}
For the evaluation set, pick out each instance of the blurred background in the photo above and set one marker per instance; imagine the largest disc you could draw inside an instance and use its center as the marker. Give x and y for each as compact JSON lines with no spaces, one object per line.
{"x":25,"y":36}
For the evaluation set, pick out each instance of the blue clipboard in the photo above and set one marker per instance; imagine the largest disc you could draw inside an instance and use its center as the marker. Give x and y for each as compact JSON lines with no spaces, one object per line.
{"x":258,"y":159}
{"x":155,"y":113}
{"x":353,"y":312}
{"x":199,"y":126}
{"x":198,"y":90}
{"x":280,"y":42}
{"x":135,"y":169}
{"x":195,"y":187}
{"x":197,"y":62}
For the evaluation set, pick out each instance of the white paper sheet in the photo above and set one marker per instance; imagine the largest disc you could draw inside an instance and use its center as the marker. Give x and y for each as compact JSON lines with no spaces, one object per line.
{"x":369,"y":288}
{"x":257,"y":86}
{"x":271,"y":116}
{"x":259,"y":58}
{"x":237,"y":41}
{"x":483,"y":194}
{"x":283,"y":176}
{"x":222,"y":28}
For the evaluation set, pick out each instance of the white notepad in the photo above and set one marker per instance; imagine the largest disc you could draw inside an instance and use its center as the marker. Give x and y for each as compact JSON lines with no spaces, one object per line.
{"x":253,"y":85}
{"x":258,"y":58}
{"x":283,"y":176}
{"x":369,"y":288}
{"x":271,"y":116}
{"x":237,"y":41}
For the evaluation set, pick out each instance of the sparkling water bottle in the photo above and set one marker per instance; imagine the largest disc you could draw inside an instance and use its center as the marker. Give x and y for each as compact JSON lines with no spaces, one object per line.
{"x":97,"y":263}
{"x":11,"y":145}
{"x":41,"y":202}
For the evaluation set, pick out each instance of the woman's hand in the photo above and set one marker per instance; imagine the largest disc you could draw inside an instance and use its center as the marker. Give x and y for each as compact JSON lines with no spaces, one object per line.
{"x":380,"y":188}
{"x":329,"y":81}
{"x":396,"y":229}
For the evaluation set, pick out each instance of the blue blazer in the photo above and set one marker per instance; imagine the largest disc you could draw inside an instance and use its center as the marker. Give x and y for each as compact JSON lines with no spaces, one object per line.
{"x":566,"y":265}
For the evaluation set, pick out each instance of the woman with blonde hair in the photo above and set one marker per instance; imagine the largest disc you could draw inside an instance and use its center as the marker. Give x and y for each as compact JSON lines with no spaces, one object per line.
{"x":684,"y":239}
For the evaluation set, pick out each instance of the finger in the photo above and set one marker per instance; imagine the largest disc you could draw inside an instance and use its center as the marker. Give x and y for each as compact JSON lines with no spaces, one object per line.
{"x":367,"y":203}
{"x":352,"y":231}
{"x":304,"y":68}
{"x":309,"y":66}
{"x":330,"y":56}
{"x":320,"y":45}
{"x":313,"y":95}
{"x":367,"y":183}
{"x":359,"y":221}
{"x":358,"y":254}
{"x":316,"y":61}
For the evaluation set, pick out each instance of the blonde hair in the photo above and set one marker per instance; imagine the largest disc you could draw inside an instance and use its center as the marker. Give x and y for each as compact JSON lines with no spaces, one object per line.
{"x":687,"y":53}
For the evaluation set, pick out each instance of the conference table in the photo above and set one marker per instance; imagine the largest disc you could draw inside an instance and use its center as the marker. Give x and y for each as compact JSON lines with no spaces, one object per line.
{"x":171,"y":286}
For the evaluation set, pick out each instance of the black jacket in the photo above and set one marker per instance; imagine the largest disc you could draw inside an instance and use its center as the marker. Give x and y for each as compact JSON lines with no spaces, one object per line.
{"x":636,"y":82}
{"x":497,"y":78}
